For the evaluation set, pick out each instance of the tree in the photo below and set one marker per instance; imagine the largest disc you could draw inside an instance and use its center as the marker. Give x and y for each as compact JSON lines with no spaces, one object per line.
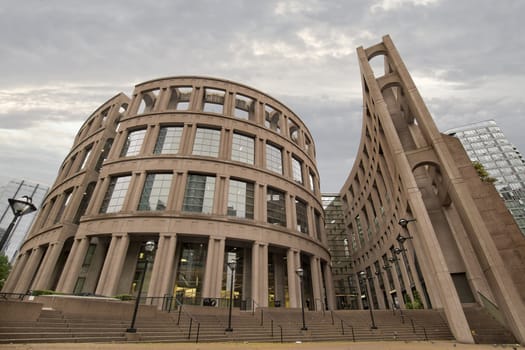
{"x":5,"y":267}
{"x":483,"y":173}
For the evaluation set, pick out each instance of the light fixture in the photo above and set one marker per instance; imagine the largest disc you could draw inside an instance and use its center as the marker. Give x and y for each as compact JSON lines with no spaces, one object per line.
{"x":20,"y":206}
{"x":404,"y":222}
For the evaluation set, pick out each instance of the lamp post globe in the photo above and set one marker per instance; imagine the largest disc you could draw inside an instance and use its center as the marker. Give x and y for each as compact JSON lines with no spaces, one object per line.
{"x":21,"y":206}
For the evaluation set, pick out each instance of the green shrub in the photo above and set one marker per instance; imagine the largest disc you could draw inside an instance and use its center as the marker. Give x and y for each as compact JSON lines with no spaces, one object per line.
{"x":124,"y":297}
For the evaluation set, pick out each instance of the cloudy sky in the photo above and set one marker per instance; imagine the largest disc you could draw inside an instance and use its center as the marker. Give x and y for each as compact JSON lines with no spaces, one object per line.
{"x":60,"y":60}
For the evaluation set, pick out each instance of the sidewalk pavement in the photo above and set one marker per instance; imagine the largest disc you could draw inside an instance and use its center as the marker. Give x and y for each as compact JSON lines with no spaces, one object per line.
{"x":401,"y":345}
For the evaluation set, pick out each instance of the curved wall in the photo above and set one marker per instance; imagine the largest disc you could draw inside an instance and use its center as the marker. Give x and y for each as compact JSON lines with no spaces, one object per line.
{"x":211,"y":171}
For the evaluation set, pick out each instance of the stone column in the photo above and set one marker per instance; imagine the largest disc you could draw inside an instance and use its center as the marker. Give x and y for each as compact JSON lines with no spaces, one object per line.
{"x":315,"y":268}
{"x":14,"y":276}
{"x":162,"y":266}
{"x":113,"y":264}
{"x":44,"y":277}
{"x":260,"y":274}
{"x":214,"y":268}
{"x":329,"y":287}
{"x":26,"y":278}
{"x":293,"y":263}
{"x":68,"y":279}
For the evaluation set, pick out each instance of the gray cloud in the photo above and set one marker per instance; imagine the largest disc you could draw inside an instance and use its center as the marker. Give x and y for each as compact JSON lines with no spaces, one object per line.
{"x":61,"y":60}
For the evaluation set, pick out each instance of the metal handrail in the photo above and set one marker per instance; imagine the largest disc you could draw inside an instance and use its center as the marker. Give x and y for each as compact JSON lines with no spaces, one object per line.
{"x":343,"y":322}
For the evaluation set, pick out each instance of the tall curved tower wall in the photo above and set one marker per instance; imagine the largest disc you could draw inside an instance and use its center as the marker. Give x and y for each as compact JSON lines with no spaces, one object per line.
{"x":423,"y":229}
{"x":210,"y":170}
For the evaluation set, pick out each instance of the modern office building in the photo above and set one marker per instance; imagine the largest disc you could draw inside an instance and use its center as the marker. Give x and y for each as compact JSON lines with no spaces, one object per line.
{"x":346,"y":293}
{"x":424,"y":230}
{"x":212,"y":172}
{"x":485,"y":142}
{"x":215,"y":172}
{"x":16,"y":189}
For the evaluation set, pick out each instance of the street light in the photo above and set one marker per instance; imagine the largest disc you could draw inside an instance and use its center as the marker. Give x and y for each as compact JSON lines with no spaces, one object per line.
{"x":21,"y":206}
{"x":300,"y":273}
{"x":149,"y":247}
{"x":364,"y":277}
{"x":404,"y":222}
{"x":231,"y":265}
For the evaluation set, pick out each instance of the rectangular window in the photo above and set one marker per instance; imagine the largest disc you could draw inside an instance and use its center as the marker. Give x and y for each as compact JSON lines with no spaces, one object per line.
{"x":168,"y":141}
{"x":155,"y":192}
{"x":243,"y":148}
{"x":104,"y":154}
{"x":114,"y":198}
{"x":244,"y":107}
{"x":275,"y":207}
{"x":241,"y":199}
{"x":199,"y":194}
{"x":87,"y":152}
{"x":133,"y":143}
{"x":65,"y":202}
{"x":297,"y":170}
{"x":180,"y":98}
{"x":207,"y":142}
{"x":318,"y":225}
{"x":213,"y":101}
{"x":312,"y":182}
{"x":302,"y":216}
{"x":274,"y":159}
{"x":272,"y":119}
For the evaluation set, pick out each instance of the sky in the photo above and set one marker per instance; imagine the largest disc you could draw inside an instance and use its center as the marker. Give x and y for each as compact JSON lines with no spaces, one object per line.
{"x":60,"y":60}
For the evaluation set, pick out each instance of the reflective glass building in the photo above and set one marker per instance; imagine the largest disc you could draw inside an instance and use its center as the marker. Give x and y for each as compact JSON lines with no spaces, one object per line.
{"x":485,"y":142}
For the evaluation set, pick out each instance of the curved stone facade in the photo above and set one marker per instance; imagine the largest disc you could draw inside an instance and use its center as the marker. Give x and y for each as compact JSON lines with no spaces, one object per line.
{"x":422,"y":226}
{"x":212,"y":171}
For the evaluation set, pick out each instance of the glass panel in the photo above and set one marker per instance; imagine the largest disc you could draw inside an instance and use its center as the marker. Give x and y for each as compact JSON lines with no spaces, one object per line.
{"x":114,"y":198}
{"x":240,"y":199}
{"x":297,"y":170}
{"x":156,"y":191}
{"x":243,"y":148}
{"x":302,"y":216}
{"x":168,"y":140}
{"x":133,"y":143}
{"x":199,"y":194}
{"x":274,"y":159}
{"x":207,"y":142}
{"x":275,"y":207}
{"x":190,"y":270}
{"x":213,"y":100}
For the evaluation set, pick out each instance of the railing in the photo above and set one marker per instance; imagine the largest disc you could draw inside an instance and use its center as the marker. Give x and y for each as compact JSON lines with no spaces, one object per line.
{"x":343,"y":323}
{"x":14,"y":296}
{"x":412,"y":323}
{"x":254,"y":305}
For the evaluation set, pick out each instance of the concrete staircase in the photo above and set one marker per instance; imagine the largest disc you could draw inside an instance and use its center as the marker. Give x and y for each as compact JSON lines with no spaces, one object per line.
{"x":208,"y":324}
{"x":486,"y":329}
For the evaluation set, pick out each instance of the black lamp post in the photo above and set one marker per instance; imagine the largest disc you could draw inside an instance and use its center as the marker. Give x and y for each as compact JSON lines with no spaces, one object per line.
{"x":149,"y":247}
{"x":21,"y":206}
{"x":300,"y":273}
{"x":364,"y":277}
{"x":232,"y":266}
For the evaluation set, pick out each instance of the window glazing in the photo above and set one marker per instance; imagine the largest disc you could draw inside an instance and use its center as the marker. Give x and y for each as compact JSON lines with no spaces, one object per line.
{"x":168,"y":141}
{"x":207,"y":142}
{"x":133,"y":143}
{"x":297,"y":170}
{"x":274,"y":159}
{"x":199,"y":194}
{"x":275,"y":207}
{"x":241,"y":199}
{"x":243,"y":148}
{"x":114,"y":198}
{"x":155,"y":192}
{"x":302,"y":216}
